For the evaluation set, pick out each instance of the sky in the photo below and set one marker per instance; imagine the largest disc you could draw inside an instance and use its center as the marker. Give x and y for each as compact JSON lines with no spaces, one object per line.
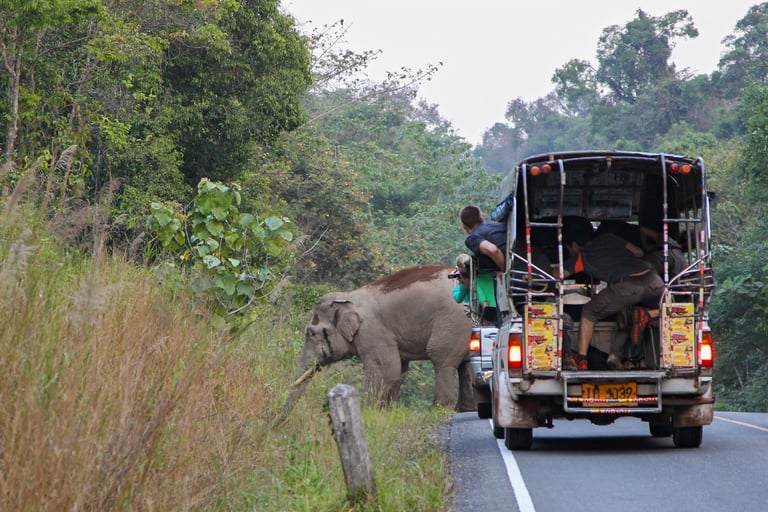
{"x":494,"y":51}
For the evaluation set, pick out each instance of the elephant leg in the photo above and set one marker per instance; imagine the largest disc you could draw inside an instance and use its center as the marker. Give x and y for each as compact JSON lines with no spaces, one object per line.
{"x":466,"y":401}
{"x":445,"y":385}
{"x":383,"y":379}
{"x":404,"y":365}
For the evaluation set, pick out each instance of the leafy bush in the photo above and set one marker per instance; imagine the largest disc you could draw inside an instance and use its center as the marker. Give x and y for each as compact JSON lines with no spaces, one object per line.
{"x":235,"y":257}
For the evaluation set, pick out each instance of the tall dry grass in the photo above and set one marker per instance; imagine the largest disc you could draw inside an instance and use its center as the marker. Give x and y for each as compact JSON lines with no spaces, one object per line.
{"x":118,"y":396}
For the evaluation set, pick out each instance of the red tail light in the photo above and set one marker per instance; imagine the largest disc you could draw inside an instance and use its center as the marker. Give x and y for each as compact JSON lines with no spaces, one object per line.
{"x":706,"y":352}
{"x":474,"y":341}
{"x":515,"y":351}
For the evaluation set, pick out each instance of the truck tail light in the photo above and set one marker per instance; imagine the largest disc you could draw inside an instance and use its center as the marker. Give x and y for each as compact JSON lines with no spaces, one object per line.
{"x":706,"y":352}
{"x":474,"y":341}
{"x":515,"y":351}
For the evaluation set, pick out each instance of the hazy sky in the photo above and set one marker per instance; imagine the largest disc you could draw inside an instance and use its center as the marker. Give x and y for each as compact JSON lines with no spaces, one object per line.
{"x":494,"y":51}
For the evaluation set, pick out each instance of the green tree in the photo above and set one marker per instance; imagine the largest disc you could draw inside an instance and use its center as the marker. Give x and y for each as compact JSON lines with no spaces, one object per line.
{"x":320,"y":190}
{"x":24,"y":30}
{"x":500,"y":147}
{"x":635,"y":57}
{"x":747,"y":56}
{"x":741,"y":301}
{"x":237,"y":82}
{"x":576,"y":87}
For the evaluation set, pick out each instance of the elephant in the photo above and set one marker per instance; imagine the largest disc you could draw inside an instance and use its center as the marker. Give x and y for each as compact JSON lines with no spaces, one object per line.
{"x":406,"y":316}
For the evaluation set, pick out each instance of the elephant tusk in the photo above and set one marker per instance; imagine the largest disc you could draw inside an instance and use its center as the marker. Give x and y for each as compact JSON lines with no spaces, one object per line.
{"x":305,"y":376}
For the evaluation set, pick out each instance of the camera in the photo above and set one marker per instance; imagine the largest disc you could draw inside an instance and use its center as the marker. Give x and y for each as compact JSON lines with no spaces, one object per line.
{"x":453,"y":275}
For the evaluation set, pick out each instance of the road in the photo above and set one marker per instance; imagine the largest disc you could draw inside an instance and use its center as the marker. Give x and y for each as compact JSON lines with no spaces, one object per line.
{"x":577,"y":466}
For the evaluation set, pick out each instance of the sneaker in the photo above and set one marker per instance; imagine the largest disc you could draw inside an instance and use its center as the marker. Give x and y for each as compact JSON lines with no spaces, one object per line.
{"x":569,"y":363}
{"x":581,"y":362}
{"x":613,"y":362}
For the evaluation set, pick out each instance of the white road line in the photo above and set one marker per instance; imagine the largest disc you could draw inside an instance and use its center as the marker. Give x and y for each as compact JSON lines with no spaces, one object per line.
{"x":741,"y":423}
{"x":524,"y":502}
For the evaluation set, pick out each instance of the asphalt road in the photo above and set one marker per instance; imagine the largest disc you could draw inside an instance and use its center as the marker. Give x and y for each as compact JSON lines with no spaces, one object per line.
{"x":577,"y":466}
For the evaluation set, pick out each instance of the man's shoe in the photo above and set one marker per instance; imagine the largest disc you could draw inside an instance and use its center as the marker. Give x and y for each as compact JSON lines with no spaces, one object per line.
{"x":613,"y":362}
{"x":581,"y":362}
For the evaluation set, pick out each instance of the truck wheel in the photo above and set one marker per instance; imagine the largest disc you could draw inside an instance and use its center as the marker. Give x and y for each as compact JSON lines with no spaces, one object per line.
{"x":518,"y":438}
{"x":498,"y":432}
{"x":660,"y":429}
{"x":484,"y":411}
{"x":687,"y":437}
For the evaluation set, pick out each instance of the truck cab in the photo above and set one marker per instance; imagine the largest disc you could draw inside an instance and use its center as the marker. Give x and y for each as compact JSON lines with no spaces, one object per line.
{"x":658,"y":371}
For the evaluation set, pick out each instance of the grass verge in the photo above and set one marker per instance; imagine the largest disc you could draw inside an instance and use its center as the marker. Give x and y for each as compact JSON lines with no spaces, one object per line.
{"x":117,"y":395}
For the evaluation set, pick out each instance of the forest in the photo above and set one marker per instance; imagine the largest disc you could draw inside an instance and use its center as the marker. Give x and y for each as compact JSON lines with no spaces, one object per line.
{"x":215,"y":141}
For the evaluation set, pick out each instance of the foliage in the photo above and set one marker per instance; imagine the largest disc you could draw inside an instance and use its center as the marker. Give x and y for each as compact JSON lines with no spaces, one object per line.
{"x":747,"y":58}
{"x":154,"y":95}
{"x":118,"y":395}
{"x":235,"y":87}
{"x":635,"y":57}
{"x":741,"y":303}
{"x":236,"y":258}
{"x":322,"y":193}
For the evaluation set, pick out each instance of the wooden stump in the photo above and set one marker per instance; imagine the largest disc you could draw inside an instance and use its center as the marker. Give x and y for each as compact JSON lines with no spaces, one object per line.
{"x":350,"y":437}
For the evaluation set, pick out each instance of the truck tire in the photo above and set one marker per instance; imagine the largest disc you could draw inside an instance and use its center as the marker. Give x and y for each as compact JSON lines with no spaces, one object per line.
{"x":498,"y":432}
{"x":687,"y":437}
{"x":660,"y":429}
{"x":484,"y":411}
{"x":518,"y":438}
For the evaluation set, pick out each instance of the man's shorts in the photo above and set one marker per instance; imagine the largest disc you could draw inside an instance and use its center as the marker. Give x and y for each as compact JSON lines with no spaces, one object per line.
{"x":485,"y":289}
{"x":645,"y":290}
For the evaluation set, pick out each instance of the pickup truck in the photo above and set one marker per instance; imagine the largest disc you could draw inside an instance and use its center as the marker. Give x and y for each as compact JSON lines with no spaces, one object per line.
{"x":481,"y":342}
{"x":659,"y":372}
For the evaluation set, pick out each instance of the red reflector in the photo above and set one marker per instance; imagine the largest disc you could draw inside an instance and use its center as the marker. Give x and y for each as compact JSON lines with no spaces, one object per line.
{"x":474,"y":341}
{"x":515,"y":351}
{"x":674,"y":167}
{"x":706,"y":352}
{"x":546,"y":168}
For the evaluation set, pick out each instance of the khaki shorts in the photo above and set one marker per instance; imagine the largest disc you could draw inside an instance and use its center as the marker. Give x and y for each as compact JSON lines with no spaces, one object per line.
{"x":645,"y":290}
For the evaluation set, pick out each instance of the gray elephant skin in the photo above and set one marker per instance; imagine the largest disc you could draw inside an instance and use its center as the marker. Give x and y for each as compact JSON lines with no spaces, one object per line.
{"x":407,"y":316}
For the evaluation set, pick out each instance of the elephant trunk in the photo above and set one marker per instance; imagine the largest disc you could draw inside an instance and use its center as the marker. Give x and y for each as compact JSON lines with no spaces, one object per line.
{"x":296,"y":390}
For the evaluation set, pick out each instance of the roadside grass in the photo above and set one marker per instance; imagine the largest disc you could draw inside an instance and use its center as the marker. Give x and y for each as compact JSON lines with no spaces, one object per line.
{"x":117,"y":395}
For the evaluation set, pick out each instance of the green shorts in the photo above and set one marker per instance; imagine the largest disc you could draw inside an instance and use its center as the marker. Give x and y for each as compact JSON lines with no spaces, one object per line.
{"x":485,"y":289}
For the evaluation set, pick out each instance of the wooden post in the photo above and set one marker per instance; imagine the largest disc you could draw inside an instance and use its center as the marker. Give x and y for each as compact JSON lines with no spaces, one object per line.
{"x":350,"y":437}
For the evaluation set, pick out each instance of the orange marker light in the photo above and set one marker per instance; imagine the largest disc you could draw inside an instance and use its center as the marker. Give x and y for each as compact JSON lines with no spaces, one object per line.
{"x":686,"y":169}
{"x":535,"y":171}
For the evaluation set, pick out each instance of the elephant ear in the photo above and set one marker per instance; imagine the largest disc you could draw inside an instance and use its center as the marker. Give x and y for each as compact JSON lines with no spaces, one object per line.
{"x":347,"y":320}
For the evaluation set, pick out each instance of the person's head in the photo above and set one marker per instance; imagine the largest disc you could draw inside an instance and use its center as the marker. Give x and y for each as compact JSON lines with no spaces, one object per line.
{"x":578,"y":231}
{"x":462,"y":264}
{"x":471,"y":217}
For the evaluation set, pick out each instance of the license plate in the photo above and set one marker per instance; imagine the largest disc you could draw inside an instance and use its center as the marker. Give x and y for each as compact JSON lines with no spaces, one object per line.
{"x":609,"y":394}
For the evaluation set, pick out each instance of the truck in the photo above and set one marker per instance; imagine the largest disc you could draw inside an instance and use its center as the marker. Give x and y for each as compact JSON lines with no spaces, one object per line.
{"x":659,"y":372}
